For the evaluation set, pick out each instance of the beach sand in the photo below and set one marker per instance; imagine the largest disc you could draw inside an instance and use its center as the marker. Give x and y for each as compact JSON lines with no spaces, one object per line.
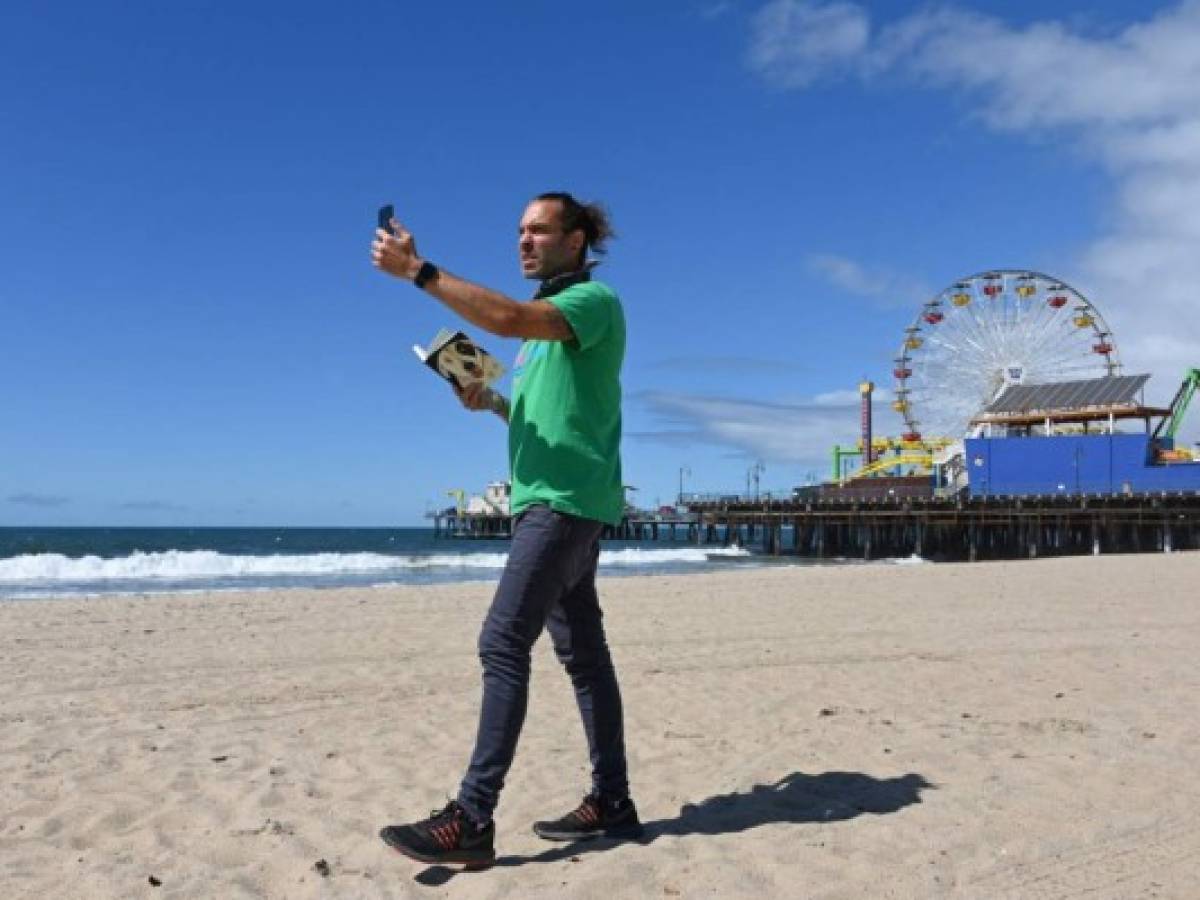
{"x":1016,"y":729}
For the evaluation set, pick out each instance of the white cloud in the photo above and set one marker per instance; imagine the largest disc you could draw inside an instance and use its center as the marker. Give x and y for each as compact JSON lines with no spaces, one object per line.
{"x":887,"y":288}
{"x":796,"y":43}
{"x":28,"y":499}
{"x":1045,"y":75}
{"x":1171,"y":144}
{"x":850,"y":398}
{"x":1130,"y":99}
{"x":799,"y":433}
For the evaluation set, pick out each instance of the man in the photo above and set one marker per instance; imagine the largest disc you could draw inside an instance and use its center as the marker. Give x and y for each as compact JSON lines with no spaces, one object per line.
{"x":564,"y":432}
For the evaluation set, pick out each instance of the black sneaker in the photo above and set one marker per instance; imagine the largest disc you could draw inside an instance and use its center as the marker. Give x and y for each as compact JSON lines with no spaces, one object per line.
{"x":447,"y":836}
{"x":593,"y":818}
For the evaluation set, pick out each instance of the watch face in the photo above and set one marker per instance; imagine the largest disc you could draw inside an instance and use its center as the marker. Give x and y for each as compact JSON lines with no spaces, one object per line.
{"x":427,"y":271}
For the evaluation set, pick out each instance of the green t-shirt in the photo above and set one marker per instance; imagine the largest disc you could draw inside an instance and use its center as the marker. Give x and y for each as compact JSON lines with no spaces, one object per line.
{"x":564,"y":433}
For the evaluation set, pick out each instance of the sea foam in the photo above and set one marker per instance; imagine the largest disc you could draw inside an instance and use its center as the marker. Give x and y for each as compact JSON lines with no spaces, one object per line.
{"x":178,"y":565}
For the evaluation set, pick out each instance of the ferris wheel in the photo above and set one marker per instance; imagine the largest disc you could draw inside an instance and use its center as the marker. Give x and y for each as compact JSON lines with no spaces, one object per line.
{"x":986,"y":332}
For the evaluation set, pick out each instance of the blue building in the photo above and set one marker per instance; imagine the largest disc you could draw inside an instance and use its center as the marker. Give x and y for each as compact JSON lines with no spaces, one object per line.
{"x":1071,"y":439}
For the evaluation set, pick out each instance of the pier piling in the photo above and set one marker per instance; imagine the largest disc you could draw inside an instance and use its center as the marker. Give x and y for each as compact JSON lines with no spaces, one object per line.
{"x":930,"y":527}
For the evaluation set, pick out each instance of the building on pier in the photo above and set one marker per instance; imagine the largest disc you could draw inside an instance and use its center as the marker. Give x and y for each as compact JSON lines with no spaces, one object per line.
{"x":483,"y":515}
{"x":1066,"y":439}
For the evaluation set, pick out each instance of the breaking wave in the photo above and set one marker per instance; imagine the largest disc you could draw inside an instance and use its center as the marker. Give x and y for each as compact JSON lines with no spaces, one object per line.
{"x":204,"y":565}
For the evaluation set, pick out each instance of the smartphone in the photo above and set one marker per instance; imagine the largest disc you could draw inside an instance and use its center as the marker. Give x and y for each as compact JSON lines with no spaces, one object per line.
{"x":386,"y":214}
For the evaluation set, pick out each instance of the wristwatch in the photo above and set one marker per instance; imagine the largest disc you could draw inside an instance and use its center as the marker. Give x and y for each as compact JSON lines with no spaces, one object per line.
{"x":425,"y":274}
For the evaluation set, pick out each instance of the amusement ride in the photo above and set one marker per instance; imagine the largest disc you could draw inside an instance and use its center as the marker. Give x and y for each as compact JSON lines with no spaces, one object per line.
{"x":989,"y":331}
{"x":967,"y":344}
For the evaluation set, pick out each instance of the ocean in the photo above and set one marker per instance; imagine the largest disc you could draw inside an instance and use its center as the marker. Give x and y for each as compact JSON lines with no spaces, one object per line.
{"x":38,"y":563}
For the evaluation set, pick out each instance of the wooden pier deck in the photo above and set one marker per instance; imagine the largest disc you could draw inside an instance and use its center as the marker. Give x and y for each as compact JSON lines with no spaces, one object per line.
{"x":936,"y":528}
{"x":959,"y":528}
{"x":639,"y":527}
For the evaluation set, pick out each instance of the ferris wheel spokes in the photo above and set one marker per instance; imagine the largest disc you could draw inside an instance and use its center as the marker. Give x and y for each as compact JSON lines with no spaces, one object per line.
{"x":992,"y":329}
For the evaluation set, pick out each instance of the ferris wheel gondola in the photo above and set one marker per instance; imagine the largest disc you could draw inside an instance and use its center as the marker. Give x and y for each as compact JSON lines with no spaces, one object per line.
{"x":986,"y":332}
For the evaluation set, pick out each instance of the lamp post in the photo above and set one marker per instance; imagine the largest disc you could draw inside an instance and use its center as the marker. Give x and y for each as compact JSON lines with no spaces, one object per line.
{"x":755,"y":471}
{"x":683,"y":470}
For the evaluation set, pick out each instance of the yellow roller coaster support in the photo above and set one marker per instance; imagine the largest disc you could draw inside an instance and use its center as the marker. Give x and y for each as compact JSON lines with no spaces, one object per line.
{"x":895,"y":443}
{"x":921,"y":461}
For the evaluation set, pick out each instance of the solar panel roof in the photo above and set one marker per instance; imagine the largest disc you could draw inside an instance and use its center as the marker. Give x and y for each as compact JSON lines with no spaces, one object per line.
{"x":1112,"y":390}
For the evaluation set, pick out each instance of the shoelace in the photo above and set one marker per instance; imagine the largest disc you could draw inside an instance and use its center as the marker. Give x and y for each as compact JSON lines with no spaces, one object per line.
{"x":588,"y":811}
{"x":447,"y":835}
{"x":445,"y":826}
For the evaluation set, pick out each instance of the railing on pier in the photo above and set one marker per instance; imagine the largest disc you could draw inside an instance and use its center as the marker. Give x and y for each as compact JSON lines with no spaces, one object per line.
{"x":637,"y":525}
{"x":959,"y":528}
{"x":895,"y":523}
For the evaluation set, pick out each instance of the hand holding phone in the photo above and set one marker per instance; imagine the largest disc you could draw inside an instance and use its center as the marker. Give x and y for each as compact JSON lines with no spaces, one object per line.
{"x":386,"y":214}
{"x":394,"y":251}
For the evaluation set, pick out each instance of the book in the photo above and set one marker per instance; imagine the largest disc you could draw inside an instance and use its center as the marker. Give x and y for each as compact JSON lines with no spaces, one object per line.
{"x":458,"y":359}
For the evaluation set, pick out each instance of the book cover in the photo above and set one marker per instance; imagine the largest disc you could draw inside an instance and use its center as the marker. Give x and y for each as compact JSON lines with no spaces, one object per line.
{"x":458,"y":359}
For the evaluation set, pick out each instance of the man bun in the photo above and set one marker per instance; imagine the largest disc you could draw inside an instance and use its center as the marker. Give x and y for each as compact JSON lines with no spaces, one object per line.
{"x":590,"y":218}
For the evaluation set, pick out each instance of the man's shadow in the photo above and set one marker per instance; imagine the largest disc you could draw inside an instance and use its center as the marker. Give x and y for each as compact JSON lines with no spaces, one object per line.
{"x":796,"y":798}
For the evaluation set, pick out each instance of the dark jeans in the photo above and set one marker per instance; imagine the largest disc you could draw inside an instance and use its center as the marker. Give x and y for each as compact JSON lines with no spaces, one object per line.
{"x":549,"y":581}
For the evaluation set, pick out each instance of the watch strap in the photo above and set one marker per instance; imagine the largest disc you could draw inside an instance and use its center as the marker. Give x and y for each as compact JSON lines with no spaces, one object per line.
{"x":425,"y":274}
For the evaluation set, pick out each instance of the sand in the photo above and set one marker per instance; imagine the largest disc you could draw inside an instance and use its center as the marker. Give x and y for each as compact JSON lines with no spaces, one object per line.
{"x":1018,"y":729}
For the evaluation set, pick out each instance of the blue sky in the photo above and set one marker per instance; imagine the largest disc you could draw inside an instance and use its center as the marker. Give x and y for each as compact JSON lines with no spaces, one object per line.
{"x":191,"y":332}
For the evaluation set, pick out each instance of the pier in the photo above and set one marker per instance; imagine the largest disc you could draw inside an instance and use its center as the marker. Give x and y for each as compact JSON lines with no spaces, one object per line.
{"x":638,"y":526}
{"x":902,"y":523}
{"x":471,"y":525}
{"x":961,"y":529}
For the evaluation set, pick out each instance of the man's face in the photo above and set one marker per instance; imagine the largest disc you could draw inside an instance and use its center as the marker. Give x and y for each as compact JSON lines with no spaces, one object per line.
{"x":544,"y":248}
